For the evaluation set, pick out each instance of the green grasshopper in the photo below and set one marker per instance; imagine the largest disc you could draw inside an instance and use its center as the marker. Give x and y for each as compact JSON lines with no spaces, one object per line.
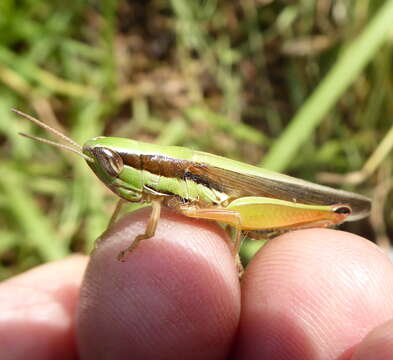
{"x":252,"y":200}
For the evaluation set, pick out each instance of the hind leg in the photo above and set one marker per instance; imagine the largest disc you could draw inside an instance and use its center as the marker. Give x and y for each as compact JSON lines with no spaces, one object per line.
{"x":225,"y":216}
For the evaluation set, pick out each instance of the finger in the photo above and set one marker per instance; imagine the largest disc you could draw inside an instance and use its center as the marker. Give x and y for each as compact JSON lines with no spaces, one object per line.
{"x":37,"y":311}
{"x":377,"y":345}
{"x":175,"y":296}
{"x":313,"y":294}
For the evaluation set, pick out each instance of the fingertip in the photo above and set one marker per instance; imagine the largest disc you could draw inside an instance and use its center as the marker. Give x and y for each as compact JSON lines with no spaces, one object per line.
{"x":37,"y":311}
{"x":176,"y":292}
{"x":313,"y":291}
{"x":377,"y":345}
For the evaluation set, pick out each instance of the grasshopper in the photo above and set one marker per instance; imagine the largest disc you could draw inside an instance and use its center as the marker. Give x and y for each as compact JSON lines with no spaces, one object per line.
{"x":252,"y":200}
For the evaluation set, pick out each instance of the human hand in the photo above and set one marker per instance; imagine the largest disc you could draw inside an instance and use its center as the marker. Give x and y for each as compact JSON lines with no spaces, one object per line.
{"x":310,"y":294}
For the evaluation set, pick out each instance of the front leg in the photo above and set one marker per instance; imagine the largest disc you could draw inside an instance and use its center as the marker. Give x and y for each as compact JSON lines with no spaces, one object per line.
{"x":116,"y":212}
{"x":149,"y":231}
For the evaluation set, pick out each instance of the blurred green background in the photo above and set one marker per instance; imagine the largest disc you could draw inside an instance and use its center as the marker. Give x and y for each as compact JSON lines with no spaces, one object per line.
{"x":300,"y":87}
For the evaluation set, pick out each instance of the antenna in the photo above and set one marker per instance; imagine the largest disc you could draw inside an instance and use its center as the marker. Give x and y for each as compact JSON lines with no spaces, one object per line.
{"x":75,"y":148}
{"x":61,"y":146}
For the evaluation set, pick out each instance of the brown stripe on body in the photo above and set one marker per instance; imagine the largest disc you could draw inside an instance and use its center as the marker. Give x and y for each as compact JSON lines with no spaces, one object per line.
{"x":171,"y":168}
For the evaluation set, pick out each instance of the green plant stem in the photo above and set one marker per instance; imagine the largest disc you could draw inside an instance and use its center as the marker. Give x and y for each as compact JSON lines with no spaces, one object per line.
{"x":352,"y":61}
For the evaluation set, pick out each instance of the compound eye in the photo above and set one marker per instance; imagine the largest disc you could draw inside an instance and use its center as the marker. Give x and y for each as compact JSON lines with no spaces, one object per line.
{"x":343,"y":209}
{"x":110,"y":161}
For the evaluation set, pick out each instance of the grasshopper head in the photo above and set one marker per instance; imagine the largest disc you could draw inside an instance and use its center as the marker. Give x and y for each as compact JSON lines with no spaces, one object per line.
{"x":107,"y":163}
{"x":108,"y":160}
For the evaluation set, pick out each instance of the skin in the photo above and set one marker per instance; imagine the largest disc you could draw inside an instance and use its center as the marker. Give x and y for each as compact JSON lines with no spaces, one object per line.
{"x":309,"y":294}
